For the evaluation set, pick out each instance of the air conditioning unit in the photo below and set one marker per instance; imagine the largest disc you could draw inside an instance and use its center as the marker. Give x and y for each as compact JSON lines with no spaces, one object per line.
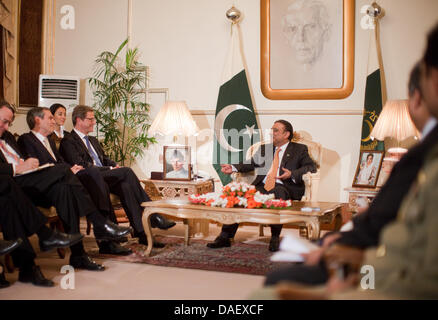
{"x":58,"y":89}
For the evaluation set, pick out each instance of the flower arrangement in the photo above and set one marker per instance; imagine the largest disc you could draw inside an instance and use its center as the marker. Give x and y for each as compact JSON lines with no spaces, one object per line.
{"x":239,"y":194}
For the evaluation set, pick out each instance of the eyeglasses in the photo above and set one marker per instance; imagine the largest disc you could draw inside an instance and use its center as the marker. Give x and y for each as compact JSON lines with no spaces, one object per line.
{"x":6,"y":122}
{"x":91,"y":119}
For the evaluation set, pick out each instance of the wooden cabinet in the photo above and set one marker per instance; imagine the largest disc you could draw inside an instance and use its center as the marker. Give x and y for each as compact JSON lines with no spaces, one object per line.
{"x":360,"y":197}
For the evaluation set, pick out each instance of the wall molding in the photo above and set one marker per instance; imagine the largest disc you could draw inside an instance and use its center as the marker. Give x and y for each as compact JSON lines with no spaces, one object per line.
{"x":310,"y":112}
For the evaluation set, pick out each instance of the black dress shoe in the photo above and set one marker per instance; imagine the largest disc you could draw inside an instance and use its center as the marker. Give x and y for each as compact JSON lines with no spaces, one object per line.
{"x":7,"y":246}
{"x":35,"y":276}
{"x":112,"y":247}
{"x":60,"y":240}
{"x":158,"y":221}
{"x":85,"y":262}
{"x":3,"y":282}
{"x":274,"y":244}
{"x":110,"y":231}
{"x":219,"y":242}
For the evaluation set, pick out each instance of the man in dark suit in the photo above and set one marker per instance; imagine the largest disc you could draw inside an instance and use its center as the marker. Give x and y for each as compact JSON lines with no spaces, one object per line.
{"x":280,"y":167}
{"x":383,"y":209}
{"x":84,"y":150}
{"x":55,"y":186}
{"x":37,"y":144}
{"x":19,"y":219}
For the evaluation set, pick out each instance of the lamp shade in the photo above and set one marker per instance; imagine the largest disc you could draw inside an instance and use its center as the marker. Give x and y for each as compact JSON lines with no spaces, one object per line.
{"x":394,"y":122}
{"x":174,"y":119}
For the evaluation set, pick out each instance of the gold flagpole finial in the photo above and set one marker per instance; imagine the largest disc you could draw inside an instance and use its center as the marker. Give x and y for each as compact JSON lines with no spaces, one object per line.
{"x":234,"y":14}
{"x":375,"y":11}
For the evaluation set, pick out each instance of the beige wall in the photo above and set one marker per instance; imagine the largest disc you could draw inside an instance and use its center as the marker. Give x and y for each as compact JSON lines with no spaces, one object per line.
{"x":185,"y":43}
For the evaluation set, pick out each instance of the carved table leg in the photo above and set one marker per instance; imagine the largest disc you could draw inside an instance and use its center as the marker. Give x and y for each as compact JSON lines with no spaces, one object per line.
{"x":186,"y":232}
{"x":148,"y":231}
{"x":313,"y":229}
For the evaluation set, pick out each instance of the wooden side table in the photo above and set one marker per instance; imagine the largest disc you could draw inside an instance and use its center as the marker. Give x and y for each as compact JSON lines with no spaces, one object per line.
{"x":173,"y":189}
{"x":356,"y":195}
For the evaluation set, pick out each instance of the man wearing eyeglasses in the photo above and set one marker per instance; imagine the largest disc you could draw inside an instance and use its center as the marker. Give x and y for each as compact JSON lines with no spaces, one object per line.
{"x":84,"y":150}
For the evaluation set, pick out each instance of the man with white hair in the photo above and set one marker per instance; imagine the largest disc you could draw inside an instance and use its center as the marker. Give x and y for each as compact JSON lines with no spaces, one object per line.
{"x":306,"y":27}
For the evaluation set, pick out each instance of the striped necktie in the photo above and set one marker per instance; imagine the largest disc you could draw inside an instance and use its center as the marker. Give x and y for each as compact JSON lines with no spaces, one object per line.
{"x":10,"y":154}
{"x":92,"y":153}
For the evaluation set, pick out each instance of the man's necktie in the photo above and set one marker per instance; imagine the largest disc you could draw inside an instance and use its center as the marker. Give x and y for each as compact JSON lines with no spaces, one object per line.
{"x":49,"y":148}
{"x":272,"y":174}
{"x":92,"y":153}
{"x":12,"y":155}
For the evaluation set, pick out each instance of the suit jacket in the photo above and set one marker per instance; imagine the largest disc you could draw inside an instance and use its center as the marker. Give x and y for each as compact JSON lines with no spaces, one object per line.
{"x":74,"y":151}
{"x":5,"y":167}
{"x":384,"y":208}
{"x":33,"y":148}
{"x":295,"y":158}
{"x":406,"y":262}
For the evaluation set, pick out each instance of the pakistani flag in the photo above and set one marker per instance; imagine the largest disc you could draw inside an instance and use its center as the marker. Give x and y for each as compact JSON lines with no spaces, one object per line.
{"x":373,"y":98}
{"x":235,"y":126}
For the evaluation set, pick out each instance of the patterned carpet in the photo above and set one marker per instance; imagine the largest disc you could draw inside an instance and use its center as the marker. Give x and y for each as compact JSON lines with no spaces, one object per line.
{"x":239,"y":258}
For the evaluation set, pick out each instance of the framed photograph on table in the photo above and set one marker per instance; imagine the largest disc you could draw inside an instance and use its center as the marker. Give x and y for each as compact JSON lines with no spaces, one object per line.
{"x":368,"y":169}
{"x":176,"y":163}
{"x":307,"y":49}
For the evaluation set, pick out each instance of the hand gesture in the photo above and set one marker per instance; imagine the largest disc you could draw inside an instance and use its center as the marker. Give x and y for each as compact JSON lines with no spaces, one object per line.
{"x":29,"y":164}
{"x":286,"y":174}
{"x":227,"y":168}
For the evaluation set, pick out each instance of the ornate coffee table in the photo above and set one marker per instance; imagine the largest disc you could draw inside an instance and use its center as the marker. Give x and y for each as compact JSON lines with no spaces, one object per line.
{"x":319,"y":213}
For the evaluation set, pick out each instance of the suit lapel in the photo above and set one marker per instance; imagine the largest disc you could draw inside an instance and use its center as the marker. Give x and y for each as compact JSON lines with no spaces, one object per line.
{"x":82,"y":145}
{"x":39,"y":145}
{"x":10,"y":140}
{"x":286,"y":156}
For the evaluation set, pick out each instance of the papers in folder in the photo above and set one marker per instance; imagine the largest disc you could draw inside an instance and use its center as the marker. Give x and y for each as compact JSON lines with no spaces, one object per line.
{"x":37,"y":169}
{"x":291,"y":249}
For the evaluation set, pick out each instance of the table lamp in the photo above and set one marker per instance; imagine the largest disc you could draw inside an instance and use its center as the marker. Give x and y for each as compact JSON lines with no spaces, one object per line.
{"x":395,"y":122}
{"x":174,"y":119}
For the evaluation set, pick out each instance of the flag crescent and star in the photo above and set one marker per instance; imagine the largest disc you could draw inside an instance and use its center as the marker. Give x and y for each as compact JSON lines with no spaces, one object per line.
{"x":235,"y":125}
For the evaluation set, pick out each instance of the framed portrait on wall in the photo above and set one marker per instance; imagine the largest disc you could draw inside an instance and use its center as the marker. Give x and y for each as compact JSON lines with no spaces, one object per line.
{"x":307,"y":49}
{"x":368,"y":169}
{"x":176,"y":163}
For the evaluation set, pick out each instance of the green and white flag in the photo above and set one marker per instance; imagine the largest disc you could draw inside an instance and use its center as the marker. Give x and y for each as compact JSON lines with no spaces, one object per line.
{"x":373,"y":98}
{"x":235,"y":126}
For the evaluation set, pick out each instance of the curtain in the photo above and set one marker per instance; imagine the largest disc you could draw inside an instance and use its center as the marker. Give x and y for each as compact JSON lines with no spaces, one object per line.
{"x":8,"y":9}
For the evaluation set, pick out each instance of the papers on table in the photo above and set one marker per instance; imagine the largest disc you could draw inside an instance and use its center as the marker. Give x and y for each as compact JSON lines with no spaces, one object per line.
{"x":291,"y":249}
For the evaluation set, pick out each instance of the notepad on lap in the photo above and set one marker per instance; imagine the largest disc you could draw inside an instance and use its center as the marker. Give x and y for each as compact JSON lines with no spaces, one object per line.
{"x":44,"y":166}
{"x":292,"y":248}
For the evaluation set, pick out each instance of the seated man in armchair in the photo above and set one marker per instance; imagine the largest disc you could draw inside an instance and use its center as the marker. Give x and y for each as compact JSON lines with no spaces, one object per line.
{"x":280,"y":166}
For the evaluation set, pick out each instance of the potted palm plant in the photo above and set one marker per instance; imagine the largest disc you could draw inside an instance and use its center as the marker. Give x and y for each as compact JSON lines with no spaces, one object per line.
{"x":122,"y":117}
